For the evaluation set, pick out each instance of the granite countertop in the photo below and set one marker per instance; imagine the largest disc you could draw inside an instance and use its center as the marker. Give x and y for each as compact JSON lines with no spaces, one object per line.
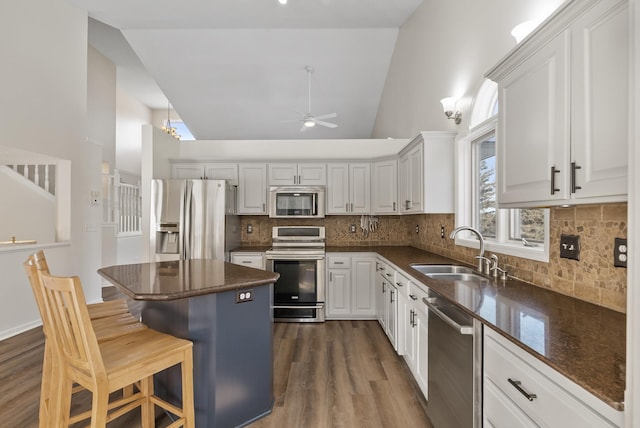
{"x":178,"y":279}
{"x":583,"y":341}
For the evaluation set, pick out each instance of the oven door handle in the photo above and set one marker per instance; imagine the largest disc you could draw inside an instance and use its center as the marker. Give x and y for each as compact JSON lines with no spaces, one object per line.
{"x":298,"y":307}
{"x":294,"y":257}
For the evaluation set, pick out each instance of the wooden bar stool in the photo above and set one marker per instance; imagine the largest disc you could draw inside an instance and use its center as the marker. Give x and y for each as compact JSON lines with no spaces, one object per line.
{"x":110,"y":320}
{"x":106,"y":367}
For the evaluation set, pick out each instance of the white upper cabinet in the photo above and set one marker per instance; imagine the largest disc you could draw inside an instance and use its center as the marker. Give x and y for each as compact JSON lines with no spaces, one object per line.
{"x":349,"y":188}
{"x":426,"y":180}
{"x":563,"y":120}
{"x":206,"y":171}
{"x":314,"y":174}
{"x":252,"y":189}
{"x":384,"y":187}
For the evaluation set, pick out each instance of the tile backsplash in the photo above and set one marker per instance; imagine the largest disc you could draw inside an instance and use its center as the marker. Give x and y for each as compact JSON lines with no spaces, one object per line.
{"x":593,"y":278}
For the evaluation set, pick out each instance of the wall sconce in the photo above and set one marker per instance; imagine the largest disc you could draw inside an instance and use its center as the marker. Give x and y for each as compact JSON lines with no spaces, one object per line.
{"x":449,"y":106}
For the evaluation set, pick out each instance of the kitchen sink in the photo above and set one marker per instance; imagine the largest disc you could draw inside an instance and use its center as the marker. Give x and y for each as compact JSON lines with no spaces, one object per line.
{"x":462,"y":276}
{"x":442,"y":269}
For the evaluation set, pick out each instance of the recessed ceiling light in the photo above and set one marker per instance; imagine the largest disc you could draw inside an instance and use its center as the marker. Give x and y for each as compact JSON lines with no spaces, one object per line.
{"x":282,"y":1}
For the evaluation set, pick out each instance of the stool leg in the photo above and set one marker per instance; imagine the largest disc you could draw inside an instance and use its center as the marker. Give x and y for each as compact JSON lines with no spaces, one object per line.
{"x":61,"y":399}
{"x":187,"y":389}
{"x":45,"y":395}
{"x":99,"y":408}
{"x":147,"y":411}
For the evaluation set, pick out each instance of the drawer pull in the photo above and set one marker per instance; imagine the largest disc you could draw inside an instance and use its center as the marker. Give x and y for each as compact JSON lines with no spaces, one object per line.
{"x":413,"y":297}
{"x":516,"y":384}
{"x":247,"y":262}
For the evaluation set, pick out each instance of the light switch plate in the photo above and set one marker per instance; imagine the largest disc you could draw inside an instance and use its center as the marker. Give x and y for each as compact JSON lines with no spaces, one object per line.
{"x":570,"y":247}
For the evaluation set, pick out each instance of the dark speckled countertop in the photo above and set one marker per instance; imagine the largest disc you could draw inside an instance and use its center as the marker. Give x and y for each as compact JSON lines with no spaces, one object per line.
{"x":183,"y":278}
{"x":583,"y":341}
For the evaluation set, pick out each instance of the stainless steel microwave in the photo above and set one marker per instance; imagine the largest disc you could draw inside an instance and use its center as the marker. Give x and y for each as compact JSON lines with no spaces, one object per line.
{"x":297,"y":201}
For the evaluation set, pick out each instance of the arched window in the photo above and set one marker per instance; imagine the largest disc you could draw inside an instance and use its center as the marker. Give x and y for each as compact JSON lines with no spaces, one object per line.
{"x":518,"y":232}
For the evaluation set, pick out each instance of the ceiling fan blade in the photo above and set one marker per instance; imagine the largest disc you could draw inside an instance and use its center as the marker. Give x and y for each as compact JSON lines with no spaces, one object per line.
{"x":323,"y":123}
{"x":304,"y":128}
{"x":326,"y":116}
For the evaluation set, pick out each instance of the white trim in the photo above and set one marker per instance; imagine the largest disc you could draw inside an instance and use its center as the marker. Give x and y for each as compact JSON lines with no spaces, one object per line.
{"x":19,"y":329}
{"x":30,"y":248}
{"x":464,"y":204}
{"x":632,"y":392}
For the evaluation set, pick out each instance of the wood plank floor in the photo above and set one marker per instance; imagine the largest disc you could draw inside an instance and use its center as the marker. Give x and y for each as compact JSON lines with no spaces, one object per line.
{"x":341,"y":374}
{"x":333,"y":374}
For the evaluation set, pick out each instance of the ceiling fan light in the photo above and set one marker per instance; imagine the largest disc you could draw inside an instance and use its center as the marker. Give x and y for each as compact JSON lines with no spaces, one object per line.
{"x":282,"y":1}
{"x":309,"y":123}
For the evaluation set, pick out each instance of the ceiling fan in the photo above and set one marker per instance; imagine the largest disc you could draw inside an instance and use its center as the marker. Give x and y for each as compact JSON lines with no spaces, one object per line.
{"x":309,"y":119}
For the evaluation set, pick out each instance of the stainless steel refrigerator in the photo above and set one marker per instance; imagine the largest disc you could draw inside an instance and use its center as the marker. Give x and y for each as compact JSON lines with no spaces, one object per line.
{"x":193,"y":219}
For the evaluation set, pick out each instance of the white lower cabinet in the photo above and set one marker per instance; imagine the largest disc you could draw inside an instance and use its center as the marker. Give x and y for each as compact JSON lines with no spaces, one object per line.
{"x":415,"y":320}
{"x":521,"y":391}
{"x":387,"y":298}
{"x":350,"y":289}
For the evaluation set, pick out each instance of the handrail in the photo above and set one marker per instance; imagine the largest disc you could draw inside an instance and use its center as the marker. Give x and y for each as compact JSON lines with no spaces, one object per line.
{"x":14,"y":241}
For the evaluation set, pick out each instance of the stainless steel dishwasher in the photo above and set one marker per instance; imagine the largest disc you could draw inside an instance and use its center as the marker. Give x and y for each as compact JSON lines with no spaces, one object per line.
{"x":454,"y":367}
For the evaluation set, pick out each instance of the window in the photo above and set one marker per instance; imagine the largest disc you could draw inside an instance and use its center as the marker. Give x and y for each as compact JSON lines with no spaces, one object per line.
{"x":518,"y":232}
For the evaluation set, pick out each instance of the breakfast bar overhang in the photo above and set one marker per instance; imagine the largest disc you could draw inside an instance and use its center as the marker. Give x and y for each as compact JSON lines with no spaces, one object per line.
{"x":225,"y":310}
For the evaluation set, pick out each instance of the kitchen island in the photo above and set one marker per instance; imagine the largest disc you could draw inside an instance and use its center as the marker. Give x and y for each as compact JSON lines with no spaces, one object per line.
{"x":225,"y":310}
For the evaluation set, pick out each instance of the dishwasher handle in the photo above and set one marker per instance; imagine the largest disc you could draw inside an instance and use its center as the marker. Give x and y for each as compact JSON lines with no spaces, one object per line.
{"x":461,"y":329}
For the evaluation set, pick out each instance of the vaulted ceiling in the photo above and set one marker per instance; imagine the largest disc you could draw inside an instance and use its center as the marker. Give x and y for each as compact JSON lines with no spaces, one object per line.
{"x":235,"y":69}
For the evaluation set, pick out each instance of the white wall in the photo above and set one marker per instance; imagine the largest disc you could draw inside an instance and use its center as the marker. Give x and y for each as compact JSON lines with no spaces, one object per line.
{"x":43,"y":109}
{"x":443,"y":50}
{"x":130,"y":116}
{"x":101,"y":104}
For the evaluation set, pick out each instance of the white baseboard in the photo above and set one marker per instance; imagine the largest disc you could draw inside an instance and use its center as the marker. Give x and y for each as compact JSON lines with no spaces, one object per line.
{"x":19,"y":329}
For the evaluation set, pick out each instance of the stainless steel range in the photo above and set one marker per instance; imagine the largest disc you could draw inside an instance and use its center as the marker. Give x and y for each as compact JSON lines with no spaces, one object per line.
{"x":298,"y":255}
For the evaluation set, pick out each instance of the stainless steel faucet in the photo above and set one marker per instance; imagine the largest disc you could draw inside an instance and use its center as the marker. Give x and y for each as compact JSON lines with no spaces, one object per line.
{"x":483,"y":262}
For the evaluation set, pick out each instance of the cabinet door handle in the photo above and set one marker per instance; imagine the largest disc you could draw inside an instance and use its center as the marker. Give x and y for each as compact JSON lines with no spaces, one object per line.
{"x":411,"y":317}
{"x":573,"y":177}
{"x":264,"y":207}
{"x":554,"y":171}
{"x":394,"y":207}
{"x":516,"y":384}
{"x":413,"y":297}
{"x":346,"y":207}
{"x":391,"y":296}
{"x":351,"y":206}
{"x":330,"y":276}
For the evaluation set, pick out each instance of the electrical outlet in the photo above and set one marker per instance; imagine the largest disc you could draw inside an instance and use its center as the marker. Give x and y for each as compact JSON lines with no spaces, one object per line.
{"x":417,"y":229}
{"x":249,"y":228}
{"x":244,"y":296}
{"x":352,"y":228}
{"x":442,"y":232}
{"x":620,"y":252}
{"x":570,"y":247}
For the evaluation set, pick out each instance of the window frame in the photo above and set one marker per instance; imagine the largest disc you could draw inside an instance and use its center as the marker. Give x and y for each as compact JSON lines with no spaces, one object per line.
{"x":465,"y":206}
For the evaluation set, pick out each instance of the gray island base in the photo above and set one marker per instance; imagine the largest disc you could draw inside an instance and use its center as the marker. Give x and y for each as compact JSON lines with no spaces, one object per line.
{"x":232,"y":337}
